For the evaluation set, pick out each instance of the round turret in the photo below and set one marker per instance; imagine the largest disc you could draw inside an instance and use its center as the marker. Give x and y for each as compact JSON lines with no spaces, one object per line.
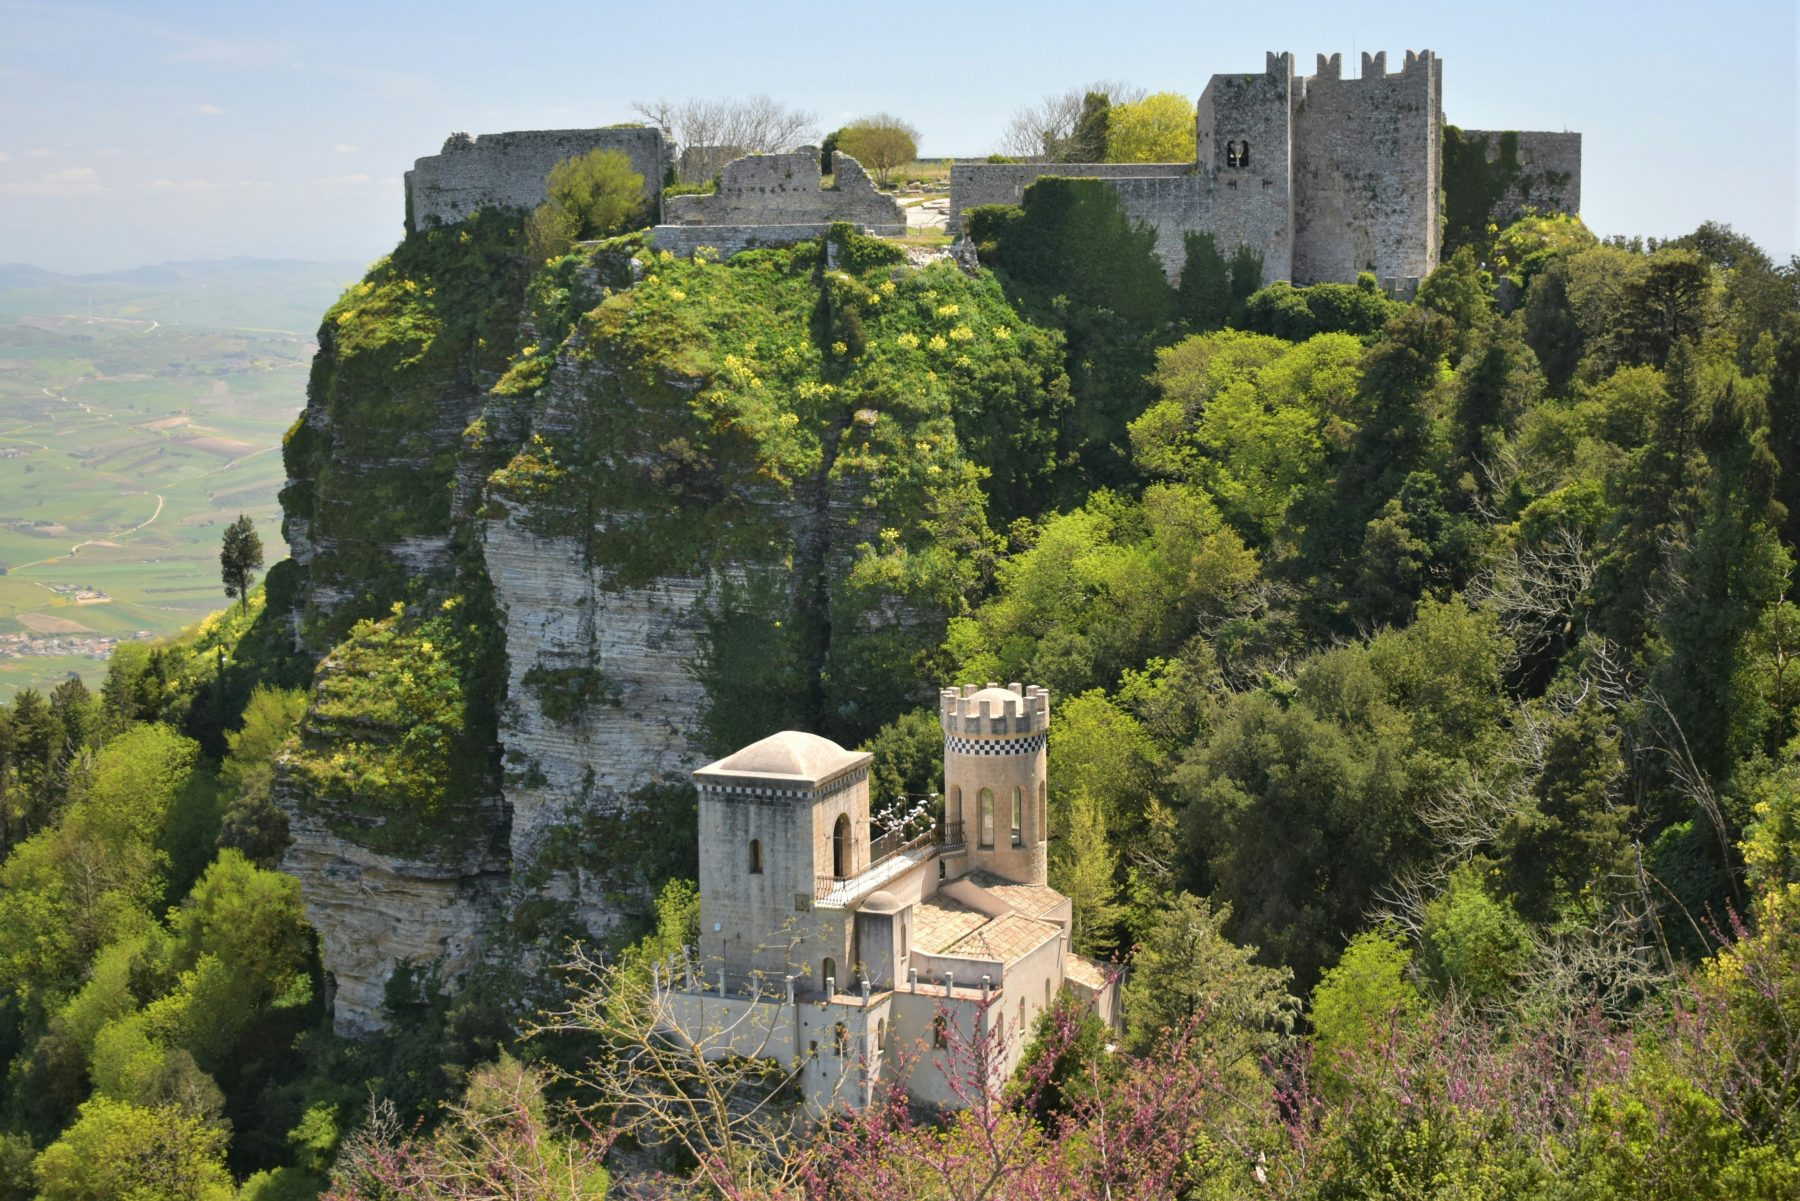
{"x":995,"y":797}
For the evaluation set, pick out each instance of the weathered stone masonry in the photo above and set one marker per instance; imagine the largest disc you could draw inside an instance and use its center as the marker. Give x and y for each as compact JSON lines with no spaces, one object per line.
{"x":507,"y":170}
{"x":1324,"y":177}
{"x":783,"y":189}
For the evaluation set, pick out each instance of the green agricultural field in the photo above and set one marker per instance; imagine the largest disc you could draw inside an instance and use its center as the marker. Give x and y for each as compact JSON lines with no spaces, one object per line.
{"x":126,"y":447}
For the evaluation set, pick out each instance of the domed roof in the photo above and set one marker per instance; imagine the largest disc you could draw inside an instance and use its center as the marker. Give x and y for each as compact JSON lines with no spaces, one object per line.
{"x":881,"y":901}
{"x":791,"y":754}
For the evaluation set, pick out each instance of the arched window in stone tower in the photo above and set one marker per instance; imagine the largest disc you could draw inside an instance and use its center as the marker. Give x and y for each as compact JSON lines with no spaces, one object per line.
{"x":840,"y":847}
{"x":1018,"y":816}
{"x":1243,"y":154}
{"x":953,"y":816}
{"x":986,"y":837}
{"x":756,"y":856}
{"x":1231,"y":157}
{"x":827,"y":972}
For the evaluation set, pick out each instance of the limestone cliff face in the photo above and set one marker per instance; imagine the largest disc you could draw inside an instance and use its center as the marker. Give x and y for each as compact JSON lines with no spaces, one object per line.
{"x":565,"y":534}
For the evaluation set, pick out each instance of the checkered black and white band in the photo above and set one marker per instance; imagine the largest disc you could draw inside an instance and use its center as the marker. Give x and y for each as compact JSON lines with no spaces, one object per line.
{"x":1029,"y":745}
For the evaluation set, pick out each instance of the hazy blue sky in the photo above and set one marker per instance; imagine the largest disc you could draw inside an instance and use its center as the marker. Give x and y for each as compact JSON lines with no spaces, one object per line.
{"x":136,"y":133}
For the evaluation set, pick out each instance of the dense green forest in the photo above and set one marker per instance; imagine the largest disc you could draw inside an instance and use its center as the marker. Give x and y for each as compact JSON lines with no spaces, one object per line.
{"x":1425,"y":734}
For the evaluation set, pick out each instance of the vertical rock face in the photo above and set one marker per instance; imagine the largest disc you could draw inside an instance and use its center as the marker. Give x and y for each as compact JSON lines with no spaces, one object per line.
{"x":563,"y":535}
{"x":376,"y":911}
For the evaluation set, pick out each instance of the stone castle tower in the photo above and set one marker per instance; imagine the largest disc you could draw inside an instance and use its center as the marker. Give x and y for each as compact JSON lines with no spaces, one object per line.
{"x":850,"y":957}
{"x":1321,"y":176}
{"x":994,"y":777}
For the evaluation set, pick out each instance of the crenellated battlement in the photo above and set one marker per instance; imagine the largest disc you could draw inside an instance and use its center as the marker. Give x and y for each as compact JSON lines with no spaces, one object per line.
{"x":994,"y":712}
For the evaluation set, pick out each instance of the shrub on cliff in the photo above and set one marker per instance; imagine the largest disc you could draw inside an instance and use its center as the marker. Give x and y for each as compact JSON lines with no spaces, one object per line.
{"x":589,"y":196}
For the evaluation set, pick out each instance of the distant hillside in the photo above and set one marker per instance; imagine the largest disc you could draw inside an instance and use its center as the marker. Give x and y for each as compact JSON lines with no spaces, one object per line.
{"x":237,"y":293}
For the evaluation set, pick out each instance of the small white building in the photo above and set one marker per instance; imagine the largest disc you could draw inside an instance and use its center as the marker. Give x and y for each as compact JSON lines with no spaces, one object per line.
{"x":850,"y":957}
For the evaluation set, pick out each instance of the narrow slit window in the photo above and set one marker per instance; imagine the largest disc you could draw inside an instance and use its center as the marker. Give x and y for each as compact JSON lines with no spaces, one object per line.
{"x":1018,"y":816}
{"x":987,"y":818}
{"x":756,"y":857}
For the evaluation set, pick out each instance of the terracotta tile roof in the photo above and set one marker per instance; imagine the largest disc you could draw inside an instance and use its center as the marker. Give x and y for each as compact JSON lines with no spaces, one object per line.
{"x":1007,"y":938}
{"x":940,"y":922}
{"x":1032,"y":900}
{"x":1079,"y":969}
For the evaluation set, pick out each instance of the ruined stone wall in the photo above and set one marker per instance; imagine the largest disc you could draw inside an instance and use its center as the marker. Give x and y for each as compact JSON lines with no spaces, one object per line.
{"x":1549,"y":176}
{"x":1367,"y":171}
{"x":977,"y":183}
{"x":783,"y":189}
{"x":507,"y":169}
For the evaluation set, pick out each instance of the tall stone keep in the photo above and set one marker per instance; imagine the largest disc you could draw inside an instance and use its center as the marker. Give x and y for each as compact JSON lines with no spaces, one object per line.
{"x":994,"y":777}
{"x":776,"y":818}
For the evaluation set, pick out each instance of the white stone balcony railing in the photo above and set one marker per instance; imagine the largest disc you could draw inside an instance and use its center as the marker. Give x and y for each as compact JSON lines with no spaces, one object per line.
{"x":890,"y":857}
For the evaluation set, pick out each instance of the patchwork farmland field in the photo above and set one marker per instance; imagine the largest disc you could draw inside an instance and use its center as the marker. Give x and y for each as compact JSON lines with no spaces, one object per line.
{"x":127,"y":444}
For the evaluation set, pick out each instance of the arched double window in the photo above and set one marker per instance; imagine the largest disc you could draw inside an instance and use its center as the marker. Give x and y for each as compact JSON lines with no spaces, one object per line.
{"x":756,"y":856}
{"x":986,"y":837}
{"x":1018,"y":816}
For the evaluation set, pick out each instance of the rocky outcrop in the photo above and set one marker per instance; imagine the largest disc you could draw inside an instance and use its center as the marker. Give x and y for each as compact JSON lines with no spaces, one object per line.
{"x":654,"y":505}
{"x":376,"y":913}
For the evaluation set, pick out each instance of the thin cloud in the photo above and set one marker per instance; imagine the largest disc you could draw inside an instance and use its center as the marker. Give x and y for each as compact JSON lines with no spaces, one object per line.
{"x":346,"y":148}
{"x":38,"y":152}
{"x":5,"y":157}
{"x":209,"y":110}
{"x":70,"y":181}
{"x":343,"y":181}
{"x":201,"y":185}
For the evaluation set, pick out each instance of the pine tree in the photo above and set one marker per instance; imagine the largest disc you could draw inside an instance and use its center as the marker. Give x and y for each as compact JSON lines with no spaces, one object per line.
{"x":239,"y":557}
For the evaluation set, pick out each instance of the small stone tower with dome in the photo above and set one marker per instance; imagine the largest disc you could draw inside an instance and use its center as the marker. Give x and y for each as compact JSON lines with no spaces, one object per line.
{"x":848,"y":955}
{"x":996,"y":798}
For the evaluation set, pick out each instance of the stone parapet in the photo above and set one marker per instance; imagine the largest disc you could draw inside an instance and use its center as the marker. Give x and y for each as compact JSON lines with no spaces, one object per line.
{"x":507,"y":170}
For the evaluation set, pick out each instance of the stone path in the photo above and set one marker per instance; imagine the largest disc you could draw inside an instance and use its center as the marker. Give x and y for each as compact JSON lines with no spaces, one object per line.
{"x":928,"y":214}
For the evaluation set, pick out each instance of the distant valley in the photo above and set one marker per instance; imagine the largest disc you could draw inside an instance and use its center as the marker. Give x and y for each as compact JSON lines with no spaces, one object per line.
{"x":140,"y":412}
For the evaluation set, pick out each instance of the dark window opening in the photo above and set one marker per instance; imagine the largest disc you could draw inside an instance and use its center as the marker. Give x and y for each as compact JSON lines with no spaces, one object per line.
{"x":1243,"y":154}
{"x":840,"y":847}
{"x":938,"y":1036}
{"x":1231,"y":159}
{"x":756,"y":856}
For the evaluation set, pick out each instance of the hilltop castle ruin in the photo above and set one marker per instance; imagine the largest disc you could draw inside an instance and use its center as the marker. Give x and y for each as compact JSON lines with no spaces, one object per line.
{"x":1323,"y":177}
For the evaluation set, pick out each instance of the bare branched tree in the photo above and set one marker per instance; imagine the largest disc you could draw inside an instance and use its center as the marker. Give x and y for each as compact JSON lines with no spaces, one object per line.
{"x":1037,"y":132}
{"x":718,"y":1095}
{"x":709,"y":133}
{"x":1535,"y":590}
